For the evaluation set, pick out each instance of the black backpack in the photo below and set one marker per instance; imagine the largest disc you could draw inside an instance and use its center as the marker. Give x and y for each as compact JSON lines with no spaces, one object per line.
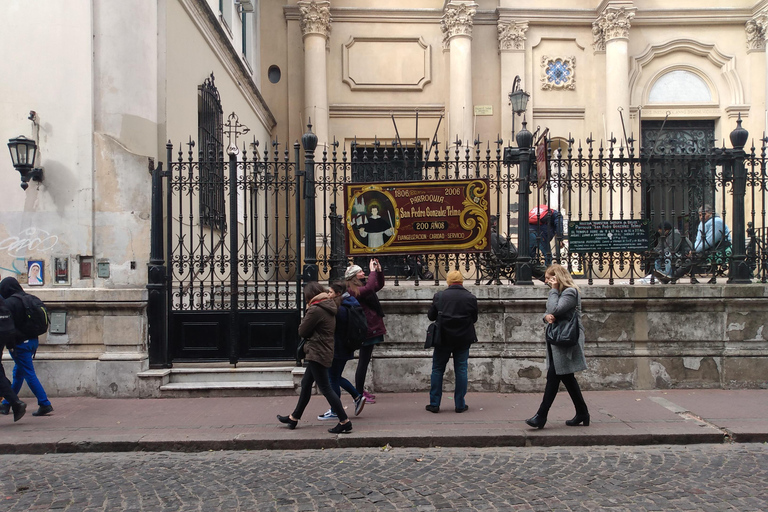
{"x":7,"y":327}
{"x":357,"y":327}
{"x":36,"y":319}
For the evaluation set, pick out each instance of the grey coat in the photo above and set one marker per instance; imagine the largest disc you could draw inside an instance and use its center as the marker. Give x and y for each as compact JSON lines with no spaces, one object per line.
{"x":566,"y":359}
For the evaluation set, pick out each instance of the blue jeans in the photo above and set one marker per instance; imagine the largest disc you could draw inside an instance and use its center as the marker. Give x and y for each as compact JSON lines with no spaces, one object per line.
{"x":439,"y":361}
{"x":25,"y":370}
{"x":538,"y":245}
{"x":337,"y":381}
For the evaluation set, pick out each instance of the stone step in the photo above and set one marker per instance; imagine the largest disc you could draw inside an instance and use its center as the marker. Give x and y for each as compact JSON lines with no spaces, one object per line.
{"x":221,"y":381}
{"x":223,"y":375}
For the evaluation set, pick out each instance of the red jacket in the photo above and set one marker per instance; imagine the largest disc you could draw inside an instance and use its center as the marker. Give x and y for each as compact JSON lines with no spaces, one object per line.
{"x":367,"y":297}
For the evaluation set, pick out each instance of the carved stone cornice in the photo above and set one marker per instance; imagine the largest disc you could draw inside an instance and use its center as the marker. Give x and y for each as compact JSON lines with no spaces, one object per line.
{"x":315,"y":18}
{"x":457,"y":20}
{"x":613,"y":23}
{"x":757,"y":31}
{"x":511,"y":35}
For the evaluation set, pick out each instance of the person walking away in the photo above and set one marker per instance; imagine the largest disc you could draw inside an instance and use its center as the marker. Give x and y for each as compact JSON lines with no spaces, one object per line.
{"x":341,"y":354}
{"x":23,"y":353}
{"x":544,"y":224}
{"x":8,"y":339}
{"x":364,"y":290}
{"x":458,"y":308}
{"x":563,"y":301}
{"x":317,"y":329}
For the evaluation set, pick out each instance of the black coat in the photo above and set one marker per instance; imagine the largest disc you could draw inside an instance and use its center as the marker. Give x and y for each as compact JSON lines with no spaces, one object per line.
{"x":459,"y":307}
{"x":8,"y":288}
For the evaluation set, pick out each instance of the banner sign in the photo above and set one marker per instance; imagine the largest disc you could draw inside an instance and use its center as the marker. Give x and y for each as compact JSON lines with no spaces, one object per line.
{"x":423,"y":217}
{"x":608,"y":235}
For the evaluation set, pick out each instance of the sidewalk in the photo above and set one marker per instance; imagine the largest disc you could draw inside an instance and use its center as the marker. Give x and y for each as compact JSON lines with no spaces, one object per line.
{"x":397,"y":419}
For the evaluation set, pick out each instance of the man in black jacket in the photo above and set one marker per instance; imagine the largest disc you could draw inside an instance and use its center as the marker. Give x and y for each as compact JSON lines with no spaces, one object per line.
{"x":8,"y":337}
{"x":24,"y":351}
{"x":458,"y":308}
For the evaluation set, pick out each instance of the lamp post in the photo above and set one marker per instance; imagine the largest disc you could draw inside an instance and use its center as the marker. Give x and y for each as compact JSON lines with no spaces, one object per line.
{"x":739,"y":268}
{"x":23,"y":154}
{"x":519,"y":100}
{"x":522,"y":155}
{"x":309,"y":142}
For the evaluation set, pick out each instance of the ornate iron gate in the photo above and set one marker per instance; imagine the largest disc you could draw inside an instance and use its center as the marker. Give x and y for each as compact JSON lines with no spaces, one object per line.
{"x":233,"y":284}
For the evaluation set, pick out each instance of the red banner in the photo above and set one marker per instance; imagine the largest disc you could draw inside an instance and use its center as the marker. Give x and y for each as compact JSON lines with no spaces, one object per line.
{"x":417,"y":217}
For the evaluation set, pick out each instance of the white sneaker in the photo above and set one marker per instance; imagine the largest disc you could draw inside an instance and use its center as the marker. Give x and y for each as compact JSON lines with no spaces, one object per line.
{"x":329,"y":415}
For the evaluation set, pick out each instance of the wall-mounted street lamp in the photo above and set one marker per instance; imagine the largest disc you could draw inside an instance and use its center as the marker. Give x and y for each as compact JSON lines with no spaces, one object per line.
{"x":519,"y":100}
{"x":23,"y":154}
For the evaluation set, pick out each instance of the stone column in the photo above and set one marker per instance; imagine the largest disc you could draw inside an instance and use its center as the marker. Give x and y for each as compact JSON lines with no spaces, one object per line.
{"x":457,"y":38}
{"x":512,"y":49}
{"x":316,"y":29}
{"x":757,"y":33}
{"x":611,"y":34}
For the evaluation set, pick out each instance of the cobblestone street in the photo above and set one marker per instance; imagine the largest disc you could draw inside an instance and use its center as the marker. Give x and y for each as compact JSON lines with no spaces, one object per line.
{"x":697,"y":477}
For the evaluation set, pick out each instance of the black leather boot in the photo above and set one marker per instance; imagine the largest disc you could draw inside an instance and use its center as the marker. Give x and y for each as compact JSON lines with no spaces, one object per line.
{"x":538,"y":421}
{"x":578,"y":420}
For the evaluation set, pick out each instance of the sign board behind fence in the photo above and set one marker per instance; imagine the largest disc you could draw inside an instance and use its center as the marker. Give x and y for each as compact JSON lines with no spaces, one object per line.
{"x":421,"y":217}
{"x":608,"y":235}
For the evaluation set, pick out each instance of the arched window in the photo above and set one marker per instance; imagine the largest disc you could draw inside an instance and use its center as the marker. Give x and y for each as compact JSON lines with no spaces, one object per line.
{"x":680,"y":86}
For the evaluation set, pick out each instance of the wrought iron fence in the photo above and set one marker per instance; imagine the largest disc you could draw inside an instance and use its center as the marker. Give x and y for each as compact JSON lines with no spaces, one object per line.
{"x":587,"y":181}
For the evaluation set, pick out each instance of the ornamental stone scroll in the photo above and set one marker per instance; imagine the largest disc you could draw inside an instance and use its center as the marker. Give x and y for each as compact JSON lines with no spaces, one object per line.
{"x":511,"y":35}
{"x":756,"y":29}
{"x":613,"y":23}
{"x":315,"y":18}
{"x":457,"y":20}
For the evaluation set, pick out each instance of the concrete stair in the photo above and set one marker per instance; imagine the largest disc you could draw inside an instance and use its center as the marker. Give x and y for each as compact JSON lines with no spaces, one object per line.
{"x":220,"y":379}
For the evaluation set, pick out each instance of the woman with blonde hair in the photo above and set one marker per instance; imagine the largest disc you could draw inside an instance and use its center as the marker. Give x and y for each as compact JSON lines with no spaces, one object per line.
{"x":563,"y":301}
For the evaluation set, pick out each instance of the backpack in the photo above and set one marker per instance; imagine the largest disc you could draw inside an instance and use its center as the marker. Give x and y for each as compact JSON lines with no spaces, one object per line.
{"x":539,"y":215}
{"x":36,"y":319}
{"x":7,"y":327}
{"x":357,"y":327}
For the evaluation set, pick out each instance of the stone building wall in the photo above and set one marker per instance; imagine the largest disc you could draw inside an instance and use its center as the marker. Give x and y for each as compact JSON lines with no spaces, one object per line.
{"x":638,"y":337}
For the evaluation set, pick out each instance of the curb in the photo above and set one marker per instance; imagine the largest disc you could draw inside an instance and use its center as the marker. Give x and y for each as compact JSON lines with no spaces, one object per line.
{"x":373,"y":440}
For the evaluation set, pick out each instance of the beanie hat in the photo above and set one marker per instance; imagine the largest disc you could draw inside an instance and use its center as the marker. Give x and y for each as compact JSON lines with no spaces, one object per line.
{"x":454,"y":277}
{"x":352,"y":271}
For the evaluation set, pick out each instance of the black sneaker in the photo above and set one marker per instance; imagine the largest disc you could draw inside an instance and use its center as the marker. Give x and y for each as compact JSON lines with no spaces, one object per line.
{"x":462,"y":409}
{"x":5,"y":409}
{"x":433,"y":408}
{"x":43,"y":410}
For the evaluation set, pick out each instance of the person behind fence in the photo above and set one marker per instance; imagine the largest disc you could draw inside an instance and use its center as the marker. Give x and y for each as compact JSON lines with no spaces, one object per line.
{"x":364,"y":290}
{"x":458,"y":309}
{"x":544,"y":224}
{"x":341,"y":352}
{"x":670,"y":249}
{"x":8,"y":340}
{"x":504,"y":250}
{"x":23,"y":353}
{"x":563,"y":301}
{"x":317,"y":327}
{"x":713,"y":243}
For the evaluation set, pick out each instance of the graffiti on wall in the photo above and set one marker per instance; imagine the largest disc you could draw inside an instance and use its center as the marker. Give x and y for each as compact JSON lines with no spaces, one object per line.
{"x":33,"y":240}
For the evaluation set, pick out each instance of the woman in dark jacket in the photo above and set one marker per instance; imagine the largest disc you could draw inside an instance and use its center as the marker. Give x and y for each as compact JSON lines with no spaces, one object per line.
{"x":341,"y":354}
{"x":317,"y":327}
{"x":562,"y":362}
{"x":366,"y":295}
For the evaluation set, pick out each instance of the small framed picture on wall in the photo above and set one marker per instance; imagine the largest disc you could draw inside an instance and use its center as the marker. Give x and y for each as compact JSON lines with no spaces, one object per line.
{"x":61,"y":270}
{"x":35,"y":274}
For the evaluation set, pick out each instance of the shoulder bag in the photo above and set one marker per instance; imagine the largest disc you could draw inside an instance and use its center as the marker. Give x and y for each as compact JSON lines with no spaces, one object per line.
{"x":433,"y":331}
{"x":564,"y":332}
